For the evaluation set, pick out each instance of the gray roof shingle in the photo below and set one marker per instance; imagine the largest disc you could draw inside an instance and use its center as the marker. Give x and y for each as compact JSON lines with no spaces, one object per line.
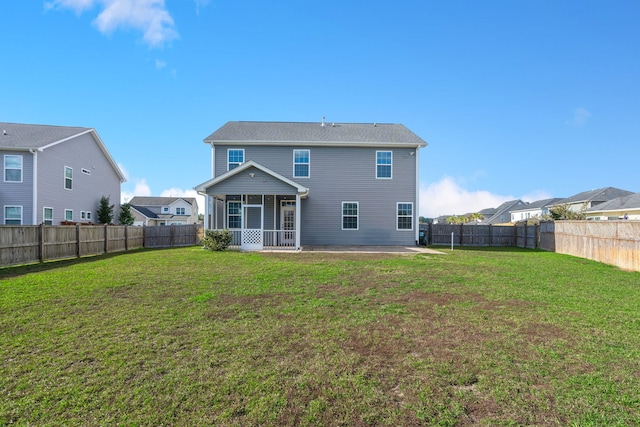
{"x":25,"y":136}
{"x":631,"y":201}
{"x":598,"y":195}
{"x":308,"y":132}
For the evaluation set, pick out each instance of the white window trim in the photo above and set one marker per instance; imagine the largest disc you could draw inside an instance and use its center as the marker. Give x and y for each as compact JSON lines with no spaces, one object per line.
{"x":65,"y":214}
{"x":65,"y":178}
{"x":342,"y":216}
{"x":44,"y":216}
{"x":4,"y":213}
{"x":300,"y":163}
{"x":21,"y":168}
{"x":398,"y":216}
{"x":235,"y":215}
{"x":380,"y":164}
{"x":235,"y":149}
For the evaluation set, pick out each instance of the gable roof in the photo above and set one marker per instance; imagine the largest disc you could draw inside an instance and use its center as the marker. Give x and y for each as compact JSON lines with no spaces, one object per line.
{"x":202,"y":188}
{"x":506,"y":207}
{"x":307,"y":133}
{"x":160,"y":201}
{"x":538,"y":204}
{"x":630,"y":202}
{"x":25,"y":137}
{"x":598,"y":195}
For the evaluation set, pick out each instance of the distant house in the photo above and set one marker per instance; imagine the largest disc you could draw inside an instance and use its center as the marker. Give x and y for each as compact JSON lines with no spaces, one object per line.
{"x":537,"y":209}
{"x":502,"y":213}
{"x":164,"y":210}
{"x":589,"y":199}
{"x":616,"y":209}
{"x":284,"y":184}
{"x":53,"y":174}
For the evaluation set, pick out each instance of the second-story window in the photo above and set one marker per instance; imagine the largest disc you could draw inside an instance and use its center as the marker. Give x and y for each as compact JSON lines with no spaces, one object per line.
{"x":12,"y":168}
{"x":384,"y":161}
{"x":68,"y":178}
{"x":235,"y":157}
{"x":180,"y":211}
{"x":301,"y":163}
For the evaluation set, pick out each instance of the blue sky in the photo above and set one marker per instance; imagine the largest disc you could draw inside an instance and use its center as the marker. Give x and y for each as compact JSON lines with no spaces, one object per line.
{"x":517,"y":99}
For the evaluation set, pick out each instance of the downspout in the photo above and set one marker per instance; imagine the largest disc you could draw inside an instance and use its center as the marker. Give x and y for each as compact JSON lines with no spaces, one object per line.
{"x":416,"y":217}
{"x":298,"y":228}
{"x":34,"y":204}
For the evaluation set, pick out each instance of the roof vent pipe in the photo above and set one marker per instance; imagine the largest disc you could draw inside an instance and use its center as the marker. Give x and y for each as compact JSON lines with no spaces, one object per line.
{"x":322,"y":121}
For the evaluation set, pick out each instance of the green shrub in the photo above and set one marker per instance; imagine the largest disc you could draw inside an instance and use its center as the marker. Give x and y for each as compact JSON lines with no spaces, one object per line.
{"x":217,"y":240}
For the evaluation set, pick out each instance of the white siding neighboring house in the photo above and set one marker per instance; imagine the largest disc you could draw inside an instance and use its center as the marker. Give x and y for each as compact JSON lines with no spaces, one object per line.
{"x":284,"y":184}
{"x":536,"y":209}
{"x":617,"y":209}
{"x":164,"y":210}
{"x":502,"y":213}
{"x":52,"y":174}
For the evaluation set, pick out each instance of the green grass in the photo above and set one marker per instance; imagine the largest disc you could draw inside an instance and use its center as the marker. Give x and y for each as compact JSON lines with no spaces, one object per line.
{"x":186,"y":337}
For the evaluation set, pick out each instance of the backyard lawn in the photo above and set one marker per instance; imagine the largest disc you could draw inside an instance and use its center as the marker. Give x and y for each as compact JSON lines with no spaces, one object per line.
{"x":187,"y":337}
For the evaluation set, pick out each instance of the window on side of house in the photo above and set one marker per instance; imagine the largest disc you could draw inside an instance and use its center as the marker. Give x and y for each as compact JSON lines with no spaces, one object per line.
{"x":47,"y":216}
{"x":165,"y":209}
{"x":12,"y":168}
{"x":88,"y":215}
{"x":180,"y":211}
{"x":68,"y":178}
{"x":350,"y":213}
{"x":234,"y":215}
{"x":384,"y":163}
{"x":301,"y":163}
{"x":235,"y":157}
{"x":83,"y":215}
{"x":13,"y":215}
{"x":68,"y":215}
{"x":405,"y":216}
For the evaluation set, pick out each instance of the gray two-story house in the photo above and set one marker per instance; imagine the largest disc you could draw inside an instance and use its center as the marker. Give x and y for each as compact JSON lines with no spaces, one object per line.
{"x":286,"y":185}
{"x":52,"y":174}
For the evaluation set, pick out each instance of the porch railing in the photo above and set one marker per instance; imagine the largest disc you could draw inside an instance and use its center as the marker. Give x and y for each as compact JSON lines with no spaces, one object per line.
{"x":271,"y":239}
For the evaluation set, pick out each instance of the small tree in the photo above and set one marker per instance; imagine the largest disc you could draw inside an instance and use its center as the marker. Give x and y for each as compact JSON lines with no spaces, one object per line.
{"x":125,"y":217}
{"x":564,"y":212}
{"x":217,"y":240}
{"x":105,"y":211}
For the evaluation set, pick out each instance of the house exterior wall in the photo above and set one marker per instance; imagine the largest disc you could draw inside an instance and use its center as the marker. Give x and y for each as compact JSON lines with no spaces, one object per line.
{"x":18,"y":193}
{"x":99,"y":179}
{"x":338,"y":174}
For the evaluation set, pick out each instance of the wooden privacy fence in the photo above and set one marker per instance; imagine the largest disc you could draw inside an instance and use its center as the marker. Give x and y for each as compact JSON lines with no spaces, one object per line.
{"x":25,"y":244}
{"x":524,"y":236}
{"x":611,"y":242}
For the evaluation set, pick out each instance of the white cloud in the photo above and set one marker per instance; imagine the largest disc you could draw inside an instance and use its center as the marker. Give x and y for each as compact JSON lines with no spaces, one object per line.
{"x":580,"y":117}
{"x":160,"y":64}
{"x":141,"y":189}
{"x":177,"y":192}
{"x":147,"y":16}
{"x":447,"y":197}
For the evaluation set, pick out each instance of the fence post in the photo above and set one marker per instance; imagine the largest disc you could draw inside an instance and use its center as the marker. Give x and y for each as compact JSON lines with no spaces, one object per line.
{"x":78,"y":240}
{"x":461,"y":235}
{"x":41,"y":242}
{"x":126,"y":238}
{"x":171,"y":234}
{"x":537,"y":236}
{"x":144,"y":235}
{"x":105,"y":238}
{"x":430,"y":238}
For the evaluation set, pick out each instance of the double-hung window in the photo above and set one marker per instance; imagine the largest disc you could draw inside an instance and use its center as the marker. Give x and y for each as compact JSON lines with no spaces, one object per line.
{"x":180,"y":211}
{"x":235,"y":157}
{"x":234,"y":215}
{"x":301,"y":163}
{"x":13,"y":215}
{"x":68,"y":178}
{"x":384,"y":163}
{"x":350,"y":215}
{"x":47,"y":216}
{"x":68,"y":215}
{"x":405,"y":216}
{"x":13,"y":168}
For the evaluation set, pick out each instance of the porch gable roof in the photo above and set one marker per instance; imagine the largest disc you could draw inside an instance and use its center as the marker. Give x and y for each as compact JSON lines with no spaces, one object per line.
{"x":202,"y":188}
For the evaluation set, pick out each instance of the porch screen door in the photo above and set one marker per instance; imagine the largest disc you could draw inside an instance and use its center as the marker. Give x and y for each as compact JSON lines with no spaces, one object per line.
{"x":288,"y":222}
{"x":252,"y":228}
